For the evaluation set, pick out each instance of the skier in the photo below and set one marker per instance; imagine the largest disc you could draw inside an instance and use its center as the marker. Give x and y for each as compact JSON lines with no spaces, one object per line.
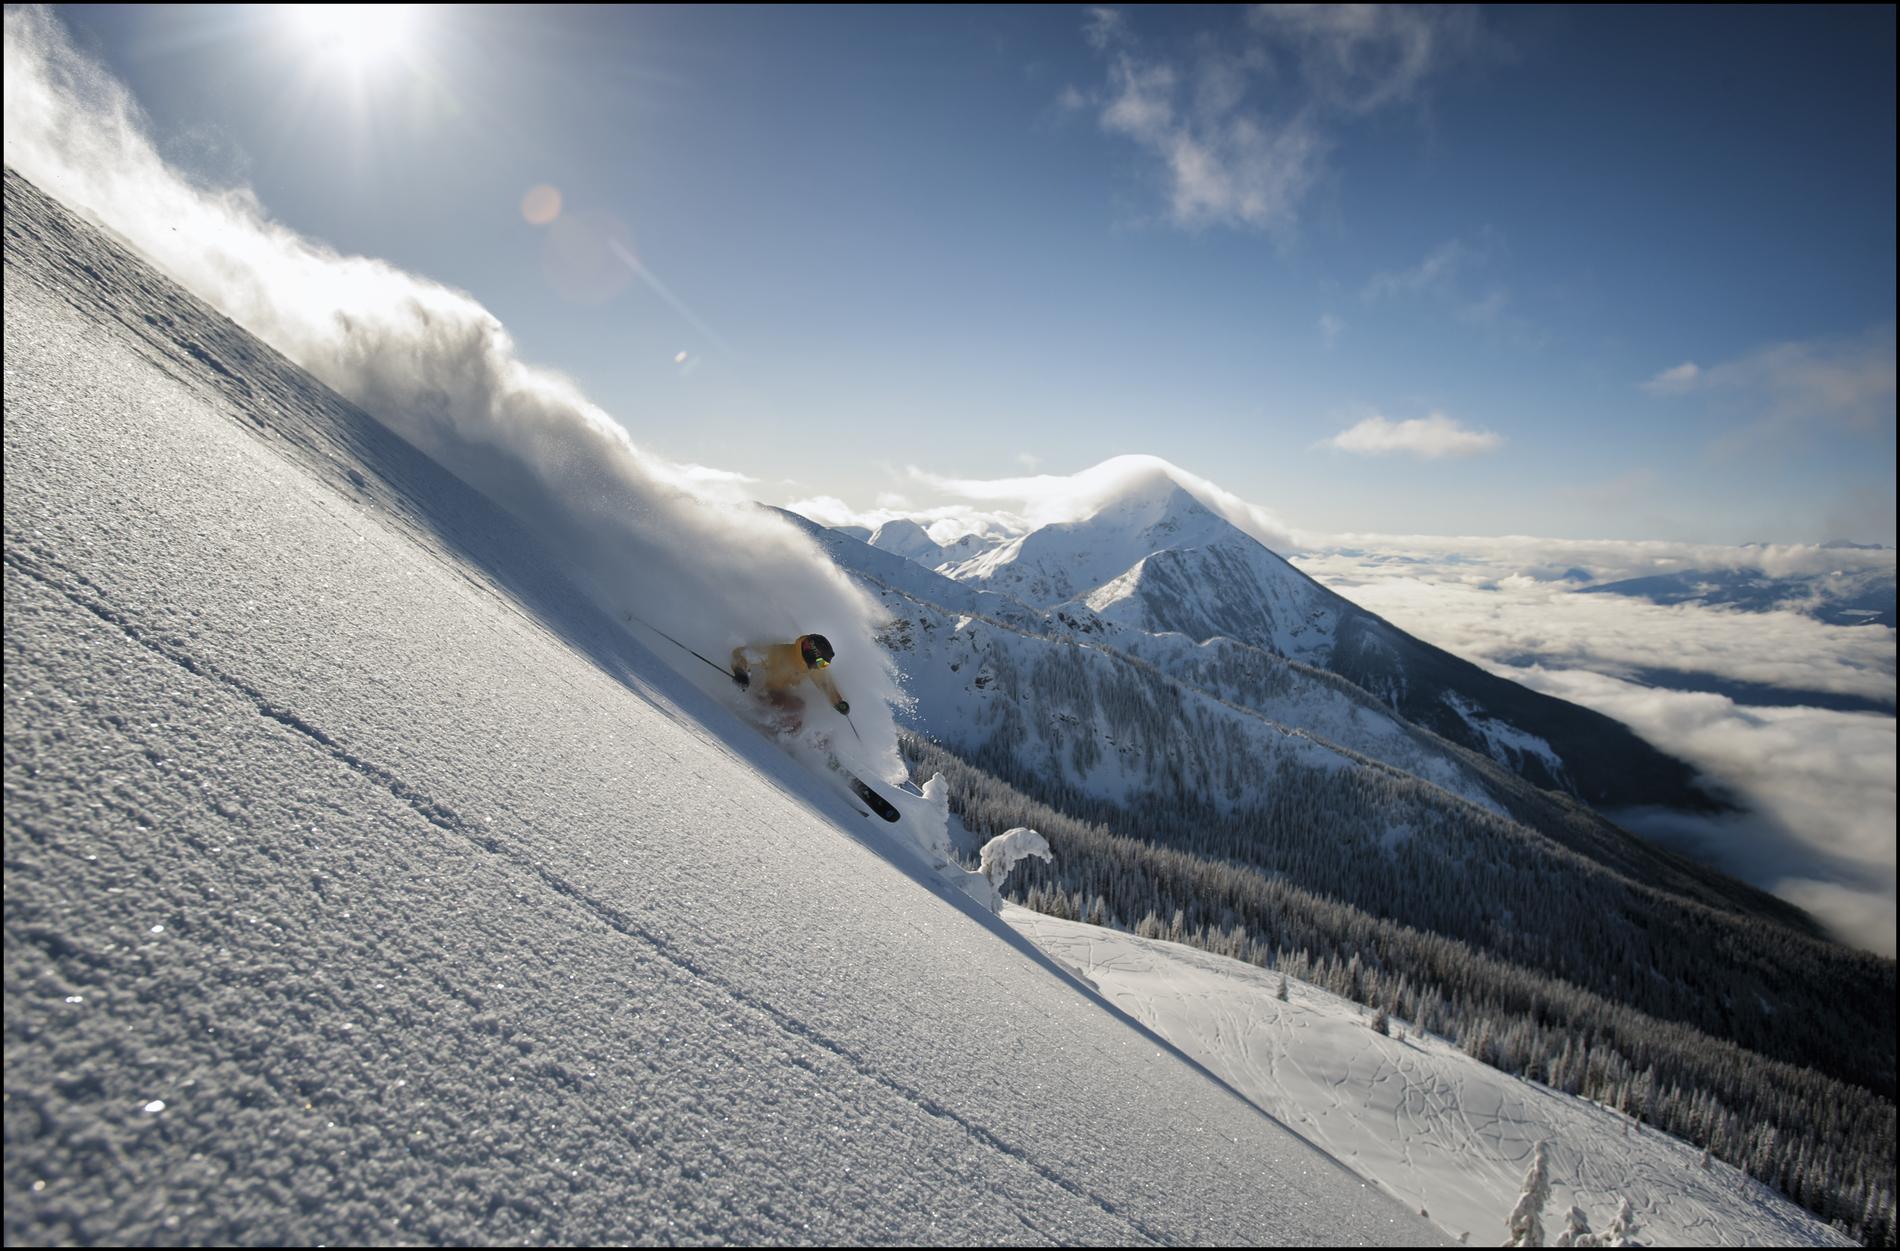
{"x":780,"y":667}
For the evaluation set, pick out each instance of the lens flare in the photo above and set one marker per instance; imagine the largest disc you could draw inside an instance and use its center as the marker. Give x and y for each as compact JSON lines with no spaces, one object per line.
{"x":541,"y":205}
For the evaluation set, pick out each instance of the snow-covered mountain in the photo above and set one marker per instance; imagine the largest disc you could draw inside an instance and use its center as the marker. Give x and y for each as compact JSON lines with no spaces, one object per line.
{"x":1857,"y":597}
{"x":1154,"y":558}
{"x":1120,"y":715}
{"x":366,"y":882}
{"x":1069,"y":561}
{"x":906,"y":538}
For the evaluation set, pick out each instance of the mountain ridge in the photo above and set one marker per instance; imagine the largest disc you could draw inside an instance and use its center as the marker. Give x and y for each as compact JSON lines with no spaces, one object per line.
{"x":1156,"y":558}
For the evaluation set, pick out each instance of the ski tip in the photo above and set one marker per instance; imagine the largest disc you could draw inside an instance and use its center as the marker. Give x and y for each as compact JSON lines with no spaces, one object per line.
{"x":874,"y":801}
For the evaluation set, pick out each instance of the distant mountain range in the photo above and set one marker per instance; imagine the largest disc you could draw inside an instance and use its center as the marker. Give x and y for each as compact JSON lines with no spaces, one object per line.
{"x":1843,"y":597}
{"x":1156,"y":575}
{"x":908,"y":539}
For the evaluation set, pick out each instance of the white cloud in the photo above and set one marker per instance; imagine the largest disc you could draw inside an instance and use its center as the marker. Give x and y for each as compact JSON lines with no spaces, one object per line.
{"x":1791,"y":387}
{"x":1607,"y":559}
{"x":1449,"y":275}
{"x":1817,"y":786}
{"x":1049,"y":498}
{"x":1675,"y":380}
{"x":1229,"y":157}
{"x":1331,"y":326}
{"x":1224,"y":166}
{"x":1483,"y":558}
{"x":1104,"y":28}
{"x":1498,"y":600}
{"x":1428,"y":438}
{"x":944,"y":523}
{"x":1864,"y":916}
{"x":1359,"y":58}
{"x":708,"y":476}
{"x":1434,"y":273}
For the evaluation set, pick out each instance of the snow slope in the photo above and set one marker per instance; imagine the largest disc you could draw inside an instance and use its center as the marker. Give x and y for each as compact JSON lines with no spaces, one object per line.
{"x":1447,"y":1135}
{"x":365,"y":883}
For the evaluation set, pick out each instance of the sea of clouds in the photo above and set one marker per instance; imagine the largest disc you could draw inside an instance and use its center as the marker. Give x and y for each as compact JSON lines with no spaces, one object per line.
{"x":1815,"y":787}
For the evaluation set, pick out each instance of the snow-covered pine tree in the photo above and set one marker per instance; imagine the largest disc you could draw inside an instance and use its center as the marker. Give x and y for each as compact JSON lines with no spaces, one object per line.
{"x":1526,"y":1223}
{"x":1622,"y":1230}
{"x":1576,"y":1232}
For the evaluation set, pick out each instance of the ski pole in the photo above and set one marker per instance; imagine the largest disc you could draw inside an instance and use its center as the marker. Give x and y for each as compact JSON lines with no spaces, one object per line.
{"x":854,"y":727}
{"x":675,"y":642}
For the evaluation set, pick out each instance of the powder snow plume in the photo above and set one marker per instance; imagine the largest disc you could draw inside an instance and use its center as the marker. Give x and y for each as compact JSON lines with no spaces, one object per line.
{"x":440,"y":370}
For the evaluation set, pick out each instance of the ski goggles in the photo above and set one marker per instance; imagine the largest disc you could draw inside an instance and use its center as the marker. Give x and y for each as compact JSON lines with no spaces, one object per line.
{"x":812,"y":659}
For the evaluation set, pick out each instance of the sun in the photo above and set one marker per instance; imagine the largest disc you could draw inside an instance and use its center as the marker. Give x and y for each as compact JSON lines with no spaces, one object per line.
{"x":359,"y":35}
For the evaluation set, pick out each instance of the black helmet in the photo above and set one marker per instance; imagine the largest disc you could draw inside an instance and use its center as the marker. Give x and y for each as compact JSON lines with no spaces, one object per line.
{"x":816,"y":649}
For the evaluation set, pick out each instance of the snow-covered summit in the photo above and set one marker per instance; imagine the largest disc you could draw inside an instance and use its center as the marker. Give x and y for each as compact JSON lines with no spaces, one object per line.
{"x":1154,"y":557}
{"x":1067,"y":560}
{"x":904,"y":537}
{"x":907,"y":539}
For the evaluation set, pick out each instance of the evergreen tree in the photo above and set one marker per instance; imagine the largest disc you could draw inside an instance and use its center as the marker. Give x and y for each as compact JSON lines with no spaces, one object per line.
{"x":1576,"y":1232}
{"x":1526,"y":1224}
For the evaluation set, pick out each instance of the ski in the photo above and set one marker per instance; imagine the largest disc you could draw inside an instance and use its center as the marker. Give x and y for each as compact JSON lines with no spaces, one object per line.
{"x":870,"y":798}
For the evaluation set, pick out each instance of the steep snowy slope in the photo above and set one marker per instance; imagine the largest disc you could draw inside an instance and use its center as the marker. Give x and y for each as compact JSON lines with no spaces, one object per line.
{"x":1448,"y":1135}
{"x":1154,"y":558}
{"x":365,"y":884}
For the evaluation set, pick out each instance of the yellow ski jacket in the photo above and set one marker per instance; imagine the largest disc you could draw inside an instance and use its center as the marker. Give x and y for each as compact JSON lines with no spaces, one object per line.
{"x":779,"y":667}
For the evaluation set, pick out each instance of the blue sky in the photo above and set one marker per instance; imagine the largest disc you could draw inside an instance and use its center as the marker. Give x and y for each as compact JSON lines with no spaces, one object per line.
{"x":1630,"y":274}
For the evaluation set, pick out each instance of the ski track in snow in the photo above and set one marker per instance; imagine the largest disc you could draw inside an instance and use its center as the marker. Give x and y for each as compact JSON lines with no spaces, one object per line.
{"x":1433,"y":1127}
{"x":364,"y":885}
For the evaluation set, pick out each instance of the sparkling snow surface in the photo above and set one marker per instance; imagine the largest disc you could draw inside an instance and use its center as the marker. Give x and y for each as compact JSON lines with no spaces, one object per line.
{"x":365,"y":886}
{"x":1428,"y":1123}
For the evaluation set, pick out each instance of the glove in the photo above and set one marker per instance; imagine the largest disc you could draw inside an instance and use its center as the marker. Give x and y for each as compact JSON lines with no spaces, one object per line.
{"x":741,"y":679}
{"x":843,"y":706}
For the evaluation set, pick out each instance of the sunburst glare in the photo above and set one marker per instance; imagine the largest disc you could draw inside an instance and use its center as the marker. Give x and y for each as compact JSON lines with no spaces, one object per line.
{"x":360,"y":36}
